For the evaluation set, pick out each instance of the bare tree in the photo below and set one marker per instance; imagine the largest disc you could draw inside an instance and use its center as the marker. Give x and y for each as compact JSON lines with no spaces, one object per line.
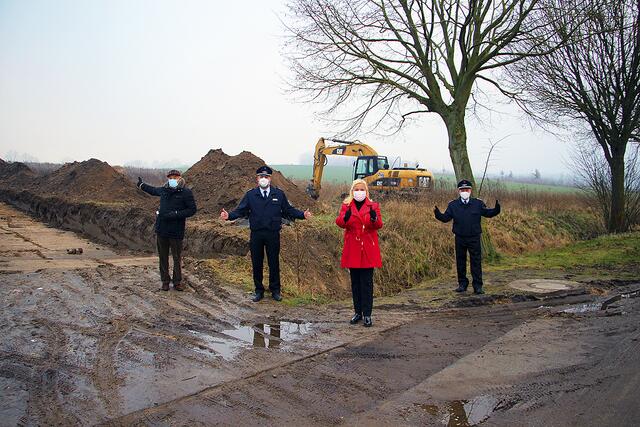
{"x":594,"y":79}
{"x":593,"y":177}
{"x":379,"y":62}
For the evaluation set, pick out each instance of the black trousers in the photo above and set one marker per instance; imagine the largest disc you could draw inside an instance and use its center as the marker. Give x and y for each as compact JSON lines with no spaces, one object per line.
{"x":175,"y":245}
{"x":258,"y":242}
{"x":362,"y":290}
{"x":471,"y":245}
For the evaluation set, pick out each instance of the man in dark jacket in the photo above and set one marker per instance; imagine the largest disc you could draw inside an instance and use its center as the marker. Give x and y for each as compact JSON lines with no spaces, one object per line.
{"x":176,"y":204}
{"x":265,"y":206}
{"x":466,"y":213}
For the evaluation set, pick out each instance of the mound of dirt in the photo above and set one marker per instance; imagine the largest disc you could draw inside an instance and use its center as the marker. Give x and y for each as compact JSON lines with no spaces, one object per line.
{"x":15,"y":174}
{"x":91,"y":180}
{"x":219,"y":181}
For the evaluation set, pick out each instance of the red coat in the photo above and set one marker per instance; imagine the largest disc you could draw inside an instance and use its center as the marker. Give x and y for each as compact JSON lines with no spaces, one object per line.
{"x":361,"y":248}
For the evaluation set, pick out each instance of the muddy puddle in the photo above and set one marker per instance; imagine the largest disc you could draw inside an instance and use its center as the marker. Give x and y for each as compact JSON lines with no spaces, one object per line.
{"x":230,"y":342}
{"x":463,"y":413}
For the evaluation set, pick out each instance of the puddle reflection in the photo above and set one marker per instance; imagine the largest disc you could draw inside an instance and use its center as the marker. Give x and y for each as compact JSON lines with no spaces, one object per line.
{"x":260,"y":335}
{"x":463,"y":413}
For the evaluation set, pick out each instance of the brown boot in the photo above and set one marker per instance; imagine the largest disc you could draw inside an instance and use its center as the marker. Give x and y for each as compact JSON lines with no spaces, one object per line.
{"x":165,"y":287}
{"x":178,"y":287}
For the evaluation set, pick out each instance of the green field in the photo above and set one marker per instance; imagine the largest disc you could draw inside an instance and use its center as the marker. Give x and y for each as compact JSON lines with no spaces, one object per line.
{"x":343,"y":174}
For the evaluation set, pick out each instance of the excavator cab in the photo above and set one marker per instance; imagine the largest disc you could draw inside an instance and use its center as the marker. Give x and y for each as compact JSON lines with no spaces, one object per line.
{"x":369,"y":165}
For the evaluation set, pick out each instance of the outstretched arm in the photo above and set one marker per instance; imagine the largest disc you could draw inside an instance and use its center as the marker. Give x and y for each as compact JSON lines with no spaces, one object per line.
{"x":242,"y":210}
{"x":490,"y":213}
{"x":154,"y":191}
{"x":289,"y":211}
{"x":444,"y":217}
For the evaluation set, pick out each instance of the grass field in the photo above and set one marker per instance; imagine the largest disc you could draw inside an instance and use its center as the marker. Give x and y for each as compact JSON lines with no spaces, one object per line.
{"x":344,"y":174}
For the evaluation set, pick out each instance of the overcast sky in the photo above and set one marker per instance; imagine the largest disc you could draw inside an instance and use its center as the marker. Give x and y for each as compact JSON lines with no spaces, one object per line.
{"x":164,"y":81}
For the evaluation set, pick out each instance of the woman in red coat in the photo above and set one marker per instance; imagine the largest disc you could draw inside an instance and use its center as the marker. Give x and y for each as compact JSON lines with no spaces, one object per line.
{"x":361,"y":219}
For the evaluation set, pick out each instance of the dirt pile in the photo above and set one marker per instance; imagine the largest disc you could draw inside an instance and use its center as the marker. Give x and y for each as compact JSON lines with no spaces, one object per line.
{"x":219,"y":181}
{"x":15,"y":173}
{"x":90,"y":181}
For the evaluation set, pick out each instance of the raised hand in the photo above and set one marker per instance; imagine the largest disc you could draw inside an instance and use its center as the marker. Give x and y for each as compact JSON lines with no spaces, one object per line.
{"x":224,"y":215}
{"x":497,"y":204}
{"x":347,"y":215}
{"x":373,"y":215}
{"x":139,"y":182}
{"x":436,"y":210}
{"x":307,"y":214}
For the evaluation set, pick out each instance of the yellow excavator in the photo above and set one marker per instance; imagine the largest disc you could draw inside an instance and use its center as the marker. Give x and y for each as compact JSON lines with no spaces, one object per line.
{"x":369,"y":166}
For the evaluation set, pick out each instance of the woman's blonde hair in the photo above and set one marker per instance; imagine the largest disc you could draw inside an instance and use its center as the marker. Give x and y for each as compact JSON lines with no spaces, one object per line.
{"x":349,"y":198}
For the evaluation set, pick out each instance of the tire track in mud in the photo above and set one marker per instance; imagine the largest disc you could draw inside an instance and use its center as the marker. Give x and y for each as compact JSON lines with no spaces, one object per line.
{"x":105,"y":376}
{"x":48,"y":383}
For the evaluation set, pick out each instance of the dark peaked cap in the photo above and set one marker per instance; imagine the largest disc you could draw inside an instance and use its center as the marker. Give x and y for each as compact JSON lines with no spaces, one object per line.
{"x":264,"y":170}
{"x":464,"y":184}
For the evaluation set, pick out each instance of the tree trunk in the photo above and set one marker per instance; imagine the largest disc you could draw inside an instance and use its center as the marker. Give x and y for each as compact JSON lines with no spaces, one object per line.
{"x":457,"y":132}
{"x":617,"y":223}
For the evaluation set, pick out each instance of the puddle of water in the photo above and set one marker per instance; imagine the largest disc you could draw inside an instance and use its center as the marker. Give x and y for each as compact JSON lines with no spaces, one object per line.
{"x":260,"y":335}
{"x":228,"y":349}
{"x":463,"y":413}
{"x":583,"y":308}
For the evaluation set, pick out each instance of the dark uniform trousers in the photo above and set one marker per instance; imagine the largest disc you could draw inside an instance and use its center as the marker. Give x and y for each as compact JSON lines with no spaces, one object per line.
{"x":258,"y":242}
{"x":175,"y":245}
{"x":472,"y":245}
{"x":362,"y":290}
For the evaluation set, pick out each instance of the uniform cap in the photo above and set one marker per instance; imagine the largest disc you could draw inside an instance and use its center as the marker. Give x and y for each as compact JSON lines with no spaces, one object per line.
{"x":464,"y":184}
{"x":264,"y":170}
{"x":174,"y":172}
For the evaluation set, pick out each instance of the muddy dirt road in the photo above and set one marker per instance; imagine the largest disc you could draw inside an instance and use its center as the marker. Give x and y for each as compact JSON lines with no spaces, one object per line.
{"x":88,"y":339}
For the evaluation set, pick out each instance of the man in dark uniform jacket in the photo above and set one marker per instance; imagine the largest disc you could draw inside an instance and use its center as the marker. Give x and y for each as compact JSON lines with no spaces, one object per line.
{"x":265,"y":206}
{"x":466,"y":213}
{"x":176,"y":204}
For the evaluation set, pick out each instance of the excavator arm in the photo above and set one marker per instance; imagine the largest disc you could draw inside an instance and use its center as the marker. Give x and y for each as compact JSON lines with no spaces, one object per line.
{"x":339,"y":148}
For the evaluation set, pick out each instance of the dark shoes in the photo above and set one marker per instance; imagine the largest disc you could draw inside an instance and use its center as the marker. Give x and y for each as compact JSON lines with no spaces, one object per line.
{"x":367,"y":321}
{"x":478,"y":291}
{"x":460,"y":289}
{"x":356,"y":318}
{"x":260,"y":295}
{"x":165,"y":287}
{"x":178,"y":287}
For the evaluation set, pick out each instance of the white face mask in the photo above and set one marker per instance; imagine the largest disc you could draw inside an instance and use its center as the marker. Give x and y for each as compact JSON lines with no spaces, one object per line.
{"x":464,"y":195}
{"x":264,"y":182}
{"x":359,"y":195}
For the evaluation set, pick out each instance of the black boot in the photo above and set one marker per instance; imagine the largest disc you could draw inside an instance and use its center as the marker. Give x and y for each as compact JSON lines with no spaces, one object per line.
{"x":367,"y":321}
{"x":460,"y":289}
{"x":276,"y":296}
{"x":356,"y":318}
{"x":257,"y":296}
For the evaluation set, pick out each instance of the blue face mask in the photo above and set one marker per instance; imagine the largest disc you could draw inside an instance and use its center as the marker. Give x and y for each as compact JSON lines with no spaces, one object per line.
{"x":173,"y":183}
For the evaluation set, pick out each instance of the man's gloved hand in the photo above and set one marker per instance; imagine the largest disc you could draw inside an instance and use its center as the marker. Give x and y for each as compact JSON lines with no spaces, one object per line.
{"x":436,"y":210}
{"x":347,"y":215}
{"x":373,"y":215}
{"x":170,"y":214}
{"x":139,"y":182}
{"x":497,"y":204}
